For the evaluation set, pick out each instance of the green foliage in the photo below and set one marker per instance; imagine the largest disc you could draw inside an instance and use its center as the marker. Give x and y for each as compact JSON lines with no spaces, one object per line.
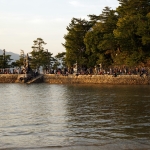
{"x":133,"y":31}
{"x":18,"y":63}
{"x":115,"y":37}
{"x":144,"y":29}
{"x":5,"y":61}
{"x":134,"y":58}
{"x":100,"y":40}
{"x":74,"y":42}
{"x":40,"y":56}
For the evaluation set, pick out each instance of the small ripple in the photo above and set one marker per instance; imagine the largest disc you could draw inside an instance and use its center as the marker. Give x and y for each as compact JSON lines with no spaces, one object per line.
{"x":18,"y":133}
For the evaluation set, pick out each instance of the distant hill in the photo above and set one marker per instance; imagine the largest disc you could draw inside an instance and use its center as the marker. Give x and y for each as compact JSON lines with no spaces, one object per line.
{"x":14,"y":56}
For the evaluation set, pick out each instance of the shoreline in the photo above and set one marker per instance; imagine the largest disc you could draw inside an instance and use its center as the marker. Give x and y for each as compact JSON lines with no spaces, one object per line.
{"x":82,"y":79}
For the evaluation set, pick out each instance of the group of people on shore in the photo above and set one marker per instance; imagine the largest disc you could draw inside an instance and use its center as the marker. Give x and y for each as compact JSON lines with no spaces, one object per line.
{"x":100,"y":71}
{"x":10,"y":71}
{"x":88,"y":71}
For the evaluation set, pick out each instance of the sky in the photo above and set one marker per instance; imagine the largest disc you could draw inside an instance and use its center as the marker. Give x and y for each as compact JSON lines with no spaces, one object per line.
{"x":23,"y":21}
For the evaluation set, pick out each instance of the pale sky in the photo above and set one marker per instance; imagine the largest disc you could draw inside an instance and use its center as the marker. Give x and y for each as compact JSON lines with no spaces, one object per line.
{"x":23,"y":21}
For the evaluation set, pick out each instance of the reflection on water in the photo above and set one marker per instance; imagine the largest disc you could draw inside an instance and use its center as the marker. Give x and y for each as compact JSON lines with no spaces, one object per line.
{"x":73,"y":116}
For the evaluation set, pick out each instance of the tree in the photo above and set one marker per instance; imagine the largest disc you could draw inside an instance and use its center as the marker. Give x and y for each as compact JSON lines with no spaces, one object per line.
{"x":129,"y":30}
{"x":74,"y":42}
{"x":92,"y":40}
{"x":5,"y":60}
{"x":19,"y":63}
{"x":61,"y":58}
{"x":100,"y":41}
{"x":40,"y":56}
{"x":115,"y":37}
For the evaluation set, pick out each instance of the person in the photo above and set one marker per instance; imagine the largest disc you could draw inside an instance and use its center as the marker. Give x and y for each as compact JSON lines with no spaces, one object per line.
{"x":115,"y":74}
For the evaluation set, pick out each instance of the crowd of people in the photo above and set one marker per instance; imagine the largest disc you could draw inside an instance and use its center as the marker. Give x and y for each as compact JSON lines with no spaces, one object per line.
{"x":85,"y":71}
{"x":10,"y":71}
{"x":100,"y":71}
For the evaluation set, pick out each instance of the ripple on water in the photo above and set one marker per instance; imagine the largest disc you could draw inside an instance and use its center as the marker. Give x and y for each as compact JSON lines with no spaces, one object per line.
{"x":74,"y":116}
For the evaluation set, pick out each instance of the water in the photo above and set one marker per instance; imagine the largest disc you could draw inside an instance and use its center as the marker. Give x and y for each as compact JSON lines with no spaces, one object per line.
{"x":74,"y":117}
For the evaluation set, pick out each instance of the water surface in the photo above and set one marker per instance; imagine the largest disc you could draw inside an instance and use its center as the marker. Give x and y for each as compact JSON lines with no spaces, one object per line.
{"x":93,"y":117}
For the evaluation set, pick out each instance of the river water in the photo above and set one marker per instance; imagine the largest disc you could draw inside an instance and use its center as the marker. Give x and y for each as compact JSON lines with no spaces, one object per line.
{"x":74,"y":117}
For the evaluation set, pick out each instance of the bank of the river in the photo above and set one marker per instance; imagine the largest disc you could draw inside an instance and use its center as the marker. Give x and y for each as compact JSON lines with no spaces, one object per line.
{"x":82,"y":79}
{"x":9,"y":78}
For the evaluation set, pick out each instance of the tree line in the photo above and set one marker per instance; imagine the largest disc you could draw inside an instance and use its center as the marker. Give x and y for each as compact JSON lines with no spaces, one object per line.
{"x":118,"y":37}
{"x":38,"y":57}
